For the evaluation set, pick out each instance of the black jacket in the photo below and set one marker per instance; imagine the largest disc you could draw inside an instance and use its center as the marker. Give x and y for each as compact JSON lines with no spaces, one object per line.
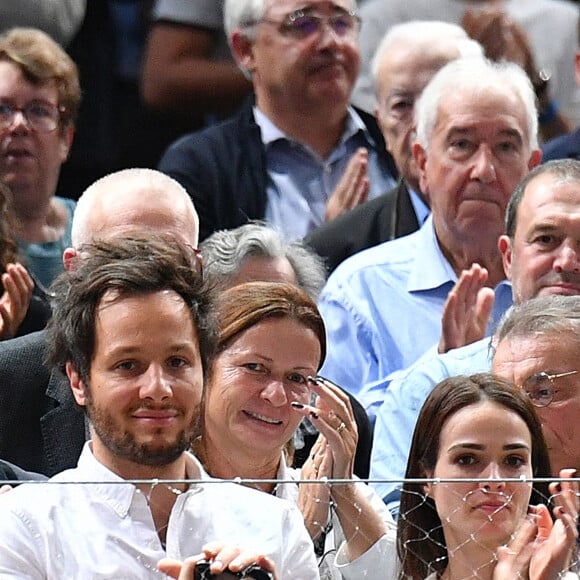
{"x":41,"y":427}
{"x":384,"y":218}
{"x":223,"y":168}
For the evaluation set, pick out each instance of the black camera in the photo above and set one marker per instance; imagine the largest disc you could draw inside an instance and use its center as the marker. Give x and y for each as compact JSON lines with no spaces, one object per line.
{"x":202,"y":572}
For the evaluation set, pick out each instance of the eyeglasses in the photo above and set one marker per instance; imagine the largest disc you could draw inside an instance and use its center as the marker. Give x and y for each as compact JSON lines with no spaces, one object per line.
{"x":40,"y":116}
{"x":540,"y":387}
{"x":302,"y":24}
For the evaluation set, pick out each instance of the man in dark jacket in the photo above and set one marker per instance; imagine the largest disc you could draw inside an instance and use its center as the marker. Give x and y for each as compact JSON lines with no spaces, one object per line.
{"x":41,"y":427}
{"x":297,"y":155}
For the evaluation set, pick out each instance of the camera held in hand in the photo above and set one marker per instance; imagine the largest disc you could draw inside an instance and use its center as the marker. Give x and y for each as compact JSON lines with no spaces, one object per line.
{"x":253,"y":572}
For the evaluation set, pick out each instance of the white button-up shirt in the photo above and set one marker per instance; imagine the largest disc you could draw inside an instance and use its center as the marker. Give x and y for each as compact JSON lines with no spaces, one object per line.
{"x":104,"y":529}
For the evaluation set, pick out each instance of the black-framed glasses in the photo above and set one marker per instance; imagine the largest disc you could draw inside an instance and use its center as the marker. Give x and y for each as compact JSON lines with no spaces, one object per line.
{"x":540,"y":387}
{"x":39,"y":115}
{"x":303,"y":24}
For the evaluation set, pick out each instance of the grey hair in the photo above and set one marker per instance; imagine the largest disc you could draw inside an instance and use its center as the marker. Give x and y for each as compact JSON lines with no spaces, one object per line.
{"x":225,"y":251}
{"x":552,"y":315}
{"x":125,"y":180}
{"x":246,"y":13}
{"x":241,"y":14}
{"x":417,"y":33}
{"x":477,"y":74}
{"x":562,"y":169}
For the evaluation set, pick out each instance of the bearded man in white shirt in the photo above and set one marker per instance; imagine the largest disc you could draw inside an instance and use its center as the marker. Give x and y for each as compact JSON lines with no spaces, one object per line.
{"x":132,"y":328}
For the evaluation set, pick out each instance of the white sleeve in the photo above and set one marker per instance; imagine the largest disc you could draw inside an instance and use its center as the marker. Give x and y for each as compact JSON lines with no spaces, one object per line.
{"x":20,"y":553}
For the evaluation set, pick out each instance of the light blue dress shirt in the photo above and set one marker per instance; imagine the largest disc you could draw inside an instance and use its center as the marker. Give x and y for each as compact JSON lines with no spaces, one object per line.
{"x":382,"y":308}
{"x":404,"y":395}
{"x":301,"y":182}
{"x":421,"y":209}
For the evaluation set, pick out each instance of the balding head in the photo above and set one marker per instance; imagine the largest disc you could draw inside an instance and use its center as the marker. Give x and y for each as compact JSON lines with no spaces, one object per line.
{"x":133,"y":201}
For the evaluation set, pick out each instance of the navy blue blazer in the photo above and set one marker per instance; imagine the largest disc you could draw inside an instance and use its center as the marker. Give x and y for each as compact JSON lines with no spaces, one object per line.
{"x":562,"y":147}
{"x":223,"y":168}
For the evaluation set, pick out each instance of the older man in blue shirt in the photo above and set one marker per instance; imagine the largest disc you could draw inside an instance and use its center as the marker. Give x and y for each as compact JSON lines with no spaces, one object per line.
{"x":540,"y":258}
{"x":476,"y":138}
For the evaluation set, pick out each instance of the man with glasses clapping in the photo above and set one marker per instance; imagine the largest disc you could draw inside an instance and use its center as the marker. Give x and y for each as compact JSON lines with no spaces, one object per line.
{"x":297,"y":154}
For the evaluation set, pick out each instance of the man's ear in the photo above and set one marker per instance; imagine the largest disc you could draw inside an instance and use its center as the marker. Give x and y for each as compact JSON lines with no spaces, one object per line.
{"x":243,"y":50}
{"x":535,"y":159}
{"x":76,"y":384}
{"x":504,"y":245}
{"x":420,"y":156}
{"x":68,"y":257}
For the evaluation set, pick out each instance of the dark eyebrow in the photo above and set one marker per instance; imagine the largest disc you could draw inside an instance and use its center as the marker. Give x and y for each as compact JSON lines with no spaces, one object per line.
{"x":478,"y":447}
{"x":473,"y":446}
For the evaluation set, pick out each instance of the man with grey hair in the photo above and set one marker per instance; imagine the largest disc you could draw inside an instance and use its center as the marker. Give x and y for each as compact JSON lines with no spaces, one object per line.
{"x":476,"y":139}
{"x":257,"y":252}
{"x":299,"y":154}
{"x":408,"y":56}
{"x":40,"y":427}
{"x":539,"y":257}
{"x":536,"y":347}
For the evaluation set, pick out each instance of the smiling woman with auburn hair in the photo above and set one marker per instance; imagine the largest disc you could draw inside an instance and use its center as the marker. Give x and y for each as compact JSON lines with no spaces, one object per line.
{"x":271,"y":343}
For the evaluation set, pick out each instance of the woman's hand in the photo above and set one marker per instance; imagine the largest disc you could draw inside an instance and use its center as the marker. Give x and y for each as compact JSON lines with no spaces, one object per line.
{"x":222,"y":557}
{"x":555,"y":546}
{"x":336,"y":446}
{"x":18,"y":286}
{"x":544,"y":549}
{"x":334,"y":418}
{"x":314,"y":499}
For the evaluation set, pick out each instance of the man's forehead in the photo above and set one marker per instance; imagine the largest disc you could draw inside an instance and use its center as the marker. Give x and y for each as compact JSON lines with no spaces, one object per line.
{"x":547,"y":189}
{"x":286,"y":6}
{"x":498,"y":105}
{"x":518,"y":357}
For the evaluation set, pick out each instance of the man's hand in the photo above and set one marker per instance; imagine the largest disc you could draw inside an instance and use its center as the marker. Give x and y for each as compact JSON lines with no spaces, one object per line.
{"x":467,"y":310}
{"x":222,"y":557}
{"x":353,"y":187}
{"x":18,"y":286}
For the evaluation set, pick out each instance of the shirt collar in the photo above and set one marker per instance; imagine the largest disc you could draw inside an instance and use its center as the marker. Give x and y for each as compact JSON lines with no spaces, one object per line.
{"x":422,"y":210}
{"x":430,"y":268}
{"x":271,"y":133}
{"x":121,"y":495}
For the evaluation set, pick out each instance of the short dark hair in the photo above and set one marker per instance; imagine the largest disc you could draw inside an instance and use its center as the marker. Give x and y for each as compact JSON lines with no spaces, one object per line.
{"x":419,"y":525}
{"x":128,"y":266}
{"x":564,"y":169}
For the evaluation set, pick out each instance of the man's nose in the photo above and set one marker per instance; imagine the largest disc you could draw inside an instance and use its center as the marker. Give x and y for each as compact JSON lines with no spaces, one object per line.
{"x":483,"y":165}
{"x":568,"y":257}
{"x":156,"y":384}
